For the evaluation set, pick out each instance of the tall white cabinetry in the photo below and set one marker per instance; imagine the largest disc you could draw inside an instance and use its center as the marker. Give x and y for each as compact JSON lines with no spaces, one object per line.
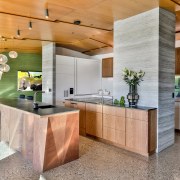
{"x":88,"y":76}
{"x":65,"y":73}
{"x":83,"y":75}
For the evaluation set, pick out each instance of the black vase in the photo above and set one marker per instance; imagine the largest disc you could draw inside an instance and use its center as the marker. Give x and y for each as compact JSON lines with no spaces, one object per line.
{"x":132,"y":96}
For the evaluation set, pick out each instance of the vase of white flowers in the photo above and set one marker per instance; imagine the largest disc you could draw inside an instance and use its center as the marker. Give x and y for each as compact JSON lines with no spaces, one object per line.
{"x":133,"y":79}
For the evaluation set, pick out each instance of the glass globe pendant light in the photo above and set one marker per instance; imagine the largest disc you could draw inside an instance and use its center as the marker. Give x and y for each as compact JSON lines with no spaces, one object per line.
{"x":4,"y":67}
{"x":3,"y":59}
{"x":13,"y":54}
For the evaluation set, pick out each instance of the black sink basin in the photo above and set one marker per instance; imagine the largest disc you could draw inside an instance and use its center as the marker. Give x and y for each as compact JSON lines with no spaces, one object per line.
{"x":46,"y":106}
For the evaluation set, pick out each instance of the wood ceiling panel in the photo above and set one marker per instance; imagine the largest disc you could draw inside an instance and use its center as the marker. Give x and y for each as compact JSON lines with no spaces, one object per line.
{"x":33,"y":8}
{"x":98,"y":14}
{"x":100,"y":51}
{"x":104,"y":37}
{"x":76,"y":4}
{"x":91,"y":19}
{"x":85,"y":45}
{"x":168,"y":4}
{"x":20,"y":46}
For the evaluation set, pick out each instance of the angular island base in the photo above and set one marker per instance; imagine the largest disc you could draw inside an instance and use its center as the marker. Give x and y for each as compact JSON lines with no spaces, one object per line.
{"x":48,"y":141}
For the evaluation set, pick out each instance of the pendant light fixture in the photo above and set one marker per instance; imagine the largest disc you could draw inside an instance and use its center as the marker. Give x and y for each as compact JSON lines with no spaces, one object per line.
{"x":46,"y":13}
{"x":18,"y":33}
{"x":3,"y":59}
{"x":13,"y":54}
{"x":30,"y":25}
{"x":4,"y":67}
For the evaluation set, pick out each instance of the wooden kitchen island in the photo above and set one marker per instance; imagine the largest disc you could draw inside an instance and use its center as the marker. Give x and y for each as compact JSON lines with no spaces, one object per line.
{"x":47,"y":137}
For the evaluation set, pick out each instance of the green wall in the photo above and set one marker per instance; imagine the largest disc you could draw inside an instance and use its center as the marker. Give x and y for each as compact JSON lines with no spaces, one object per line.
{"x":24,"y":61}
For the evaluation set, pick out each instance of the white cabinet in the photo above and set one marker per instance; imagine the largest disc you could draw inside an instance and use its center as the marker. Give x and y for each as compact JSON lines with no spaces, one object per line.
{"x":64,"y":75}
{"x":84,"y":75}
{"x":88,"y":76}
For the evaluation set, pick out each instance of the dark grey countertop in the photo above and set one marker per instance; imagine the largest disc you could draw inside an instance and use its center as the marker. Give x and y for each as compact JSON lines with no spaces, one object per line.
{"x":108,"y":102}
{"x":27,"y":105}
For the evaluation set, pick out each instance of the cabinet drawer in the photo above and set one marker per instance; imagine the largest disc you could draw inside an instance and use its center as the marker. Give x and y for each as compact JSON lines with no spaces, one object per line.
{"x":94,"y":107}
{"x":137,"y":114}
{"x":115,"y":111}
{"x":114,"y":122}
{"x":114,"y":136}
{"x":94,"y":124}
{"x":137,"y":135}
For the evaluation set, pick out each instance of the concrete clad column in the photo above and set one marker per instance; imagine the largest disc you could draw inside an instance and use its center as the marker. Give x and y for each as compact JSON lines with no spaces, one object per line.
{"x":48,"y":73}
{"x":147,"y":42}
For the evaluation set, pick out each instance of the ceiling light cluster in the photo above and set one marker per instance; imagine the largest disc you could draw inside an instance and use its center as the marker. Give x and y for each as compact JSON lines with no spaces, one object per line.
{"x":3,"y":66}
{"x":30,"y":24}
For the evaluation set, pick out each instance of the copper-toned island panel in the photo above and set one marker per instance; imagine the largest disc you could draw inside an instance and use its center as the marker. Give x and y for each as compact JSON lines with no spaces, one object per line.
{"x":62,"y":140}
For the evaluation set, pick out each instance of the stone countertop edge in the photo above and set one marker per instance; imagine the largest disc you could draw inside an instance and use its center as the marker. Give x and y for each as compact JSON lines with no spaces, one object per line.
{"x":42,"y":112}
{"x":114,"y":105}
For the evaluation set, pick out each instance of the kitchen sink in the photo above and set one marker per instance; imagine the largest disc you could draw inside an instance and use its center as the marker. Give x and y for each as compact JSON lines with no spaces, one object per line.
{"x":46,"y":106}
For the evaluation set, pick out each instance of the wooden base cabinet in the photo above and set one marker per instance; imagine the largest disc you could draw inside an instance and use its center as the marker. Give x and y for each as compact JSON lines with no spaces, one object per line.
{"x":136,"y":135}
{"x":132,"y":129}
{"x":141,"y":131}
{"x":94,"y":124}
{"x":114,"y":124}
{"x":82,"y":114}
{"x":94,"y":119}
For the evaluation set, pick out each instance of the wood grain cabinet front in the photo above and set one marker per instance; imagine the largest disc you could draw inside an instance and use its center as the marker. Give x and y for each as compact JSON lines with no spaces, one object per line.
{"x":94,"y":124}
{"x":107,"y":67}
{"x":177,"y":65}
{"x":82,"y":114}
{"x":114,"y":124}
{"x":137,"y":135}
{"x":141,"y":131}
{"x":94,"y":119}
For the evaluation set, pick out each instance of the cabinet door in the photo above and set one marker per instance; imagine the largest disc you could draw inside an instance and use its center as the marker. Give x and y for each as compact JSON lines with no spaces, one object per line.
{"x":82,"y":114}
{"x":114,"y":129}
{"x":82,"y":117}
{"x":177,"y":66}
{"x":177,"y":115}
{"x":107,"y":67}
{"x":94,"y":123}
{"x":65,"y":75}
{"x":88,"y":76}
{"x":137,"y":135}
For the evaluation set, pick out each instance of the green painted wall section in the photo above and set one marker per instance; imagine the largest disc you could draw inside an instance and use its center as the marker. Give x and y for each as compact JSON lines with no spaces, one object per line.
{"x":24,"y":61}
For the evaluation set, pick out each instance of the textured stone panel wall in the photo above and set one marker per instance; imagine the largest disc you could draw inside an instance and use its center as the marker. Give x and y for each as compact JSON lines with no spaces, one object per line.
{"x":146,"y":41}
{"x":48,"y":73}
{"x":166,"y":103}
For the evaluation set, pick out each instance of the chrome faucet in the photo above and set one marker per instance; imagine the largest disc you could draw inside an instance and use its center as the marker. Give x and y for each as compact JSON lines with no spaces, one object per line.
{"x":35,"y":104}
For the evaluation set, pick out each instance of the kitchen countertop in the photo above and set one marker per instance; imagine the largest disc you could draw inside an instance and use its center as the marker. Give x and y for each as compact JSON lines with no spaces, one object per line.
{"x":108,"y":102}
{"x":27,"y":105}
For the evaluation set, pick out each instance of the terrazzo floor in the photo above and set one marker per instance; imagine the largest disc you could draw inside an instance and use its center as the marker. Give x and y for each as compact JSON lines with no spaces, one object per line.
{"x":99,"y":161}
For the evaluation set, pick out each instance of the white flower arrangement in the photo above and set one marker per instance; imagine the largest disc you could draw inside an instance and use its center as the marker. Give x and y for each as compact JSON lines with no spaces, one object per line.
{"x":132,"y":77}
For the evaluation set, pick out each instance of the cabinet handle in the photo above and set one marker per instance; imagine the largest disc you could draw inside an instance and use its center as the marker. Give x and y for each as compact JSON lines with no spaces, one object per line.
{"x":74,"y":103}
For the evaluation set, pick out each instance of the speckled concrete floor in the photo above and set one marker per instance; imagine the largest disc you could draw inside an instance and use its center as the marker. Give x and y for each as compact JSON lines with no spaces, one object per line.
{"x":99,"y":161}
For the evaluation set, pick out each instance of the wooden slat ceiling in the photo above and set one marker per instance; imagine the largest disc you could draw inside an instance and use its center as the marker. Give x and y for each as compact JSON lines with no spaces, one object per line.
{"x":93,"y":36}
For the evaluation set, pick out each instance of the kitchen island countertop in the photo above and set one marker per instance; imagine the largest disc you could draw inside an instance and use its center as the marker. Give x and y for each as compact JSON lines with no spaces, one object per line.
{"x":27,"y":105}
